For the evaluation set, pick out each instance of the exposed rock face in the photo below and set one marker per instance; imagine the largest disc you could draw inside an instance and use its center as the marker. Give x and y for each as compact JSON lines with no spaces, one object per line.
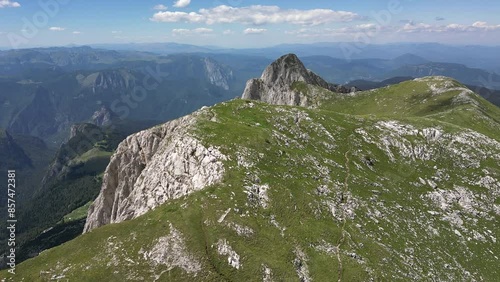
{"x":151,"y":167}
{"x":275,"y":86}
{"x":103,"y":117}
{"x":216,"y":74}
{"x":224,"y":249}
{"x":300,"y":264}
{"x":115,"y":80}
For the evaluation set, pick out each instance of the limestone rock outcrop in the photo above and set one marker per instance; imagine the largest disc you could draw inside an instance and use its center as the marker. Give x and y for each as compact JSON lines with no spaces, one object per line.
{"x":276,"y":84}
{"x":151,"y":167}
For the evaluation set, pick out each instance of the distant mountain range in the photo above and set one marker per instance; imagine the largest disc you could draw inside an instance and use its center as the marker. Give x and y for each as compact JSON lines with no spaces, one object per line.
{"x":45,"y":91}
{"x":342,"y":71}
{"x":475,"y":56}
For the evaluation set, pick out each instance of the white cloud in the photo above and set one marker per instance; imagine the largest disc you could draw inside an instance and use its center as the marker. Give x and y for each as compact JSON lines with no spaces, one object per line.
{"x":227,"y":32}
{"x":254,"y":30}
{"x":475,"y":27}
{"x":184,"y":31}
{"x":480,"y":24}
{"x":257,"y":15}
{"x":9,"y":4}
{"x":181,"y":31}
{"x":56,"y":28}
{"x":485,"y":26}
{"x":202,"y":30}
{"x":76,"y":32}
{"x":160,"y":7}
{"x":116,"y":31}
{"x":369,"y":26}
{"x":182,"y":3}
{"x":412,"y":27}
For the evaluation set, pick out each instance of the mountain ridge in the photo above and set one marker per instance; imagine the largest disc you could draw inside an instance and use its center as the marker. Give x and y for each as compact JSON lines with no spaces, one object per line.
{"x":398,"y":183}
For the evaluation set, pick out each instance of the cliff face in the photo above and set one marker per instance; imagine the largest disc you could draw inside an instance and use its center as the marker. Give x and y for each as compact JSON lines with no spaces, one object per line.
{"x":151,"y":167}
{"x":217,"y":74}
{"x":109,"y":80}
{"x":103,"y":117}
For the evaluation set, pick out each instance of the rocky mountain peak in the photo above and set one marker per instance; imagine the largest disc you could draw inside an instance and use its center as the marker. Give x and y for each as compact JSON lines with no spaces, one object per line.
{"x":285,"y":70}
{"x":277,"y":84}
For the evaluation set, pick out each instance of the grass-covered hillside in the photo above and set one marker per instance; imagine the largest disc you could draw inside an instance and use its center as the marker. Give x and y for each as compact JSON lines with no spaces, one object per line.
{"x":395,"y":184}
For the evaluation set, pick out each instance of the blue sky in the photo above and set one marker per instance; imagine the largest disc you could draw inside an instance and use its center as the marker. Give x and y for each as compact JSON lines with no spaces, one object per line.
{"x":247,"y":23}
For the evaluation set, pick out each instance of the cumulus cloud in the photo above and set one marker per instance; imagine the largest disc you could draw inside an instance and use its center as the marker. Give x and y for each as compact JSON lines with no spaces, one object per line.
{"x":116,"y":31}
{"x":160,"y":7}
{"x":256,"y":15}
{"x":254,"y":30}
{"x":182,"y":3}
{"x":202,"y":30}
{"x":76,"y":32}
{"x":485,"y":26}
{"x":365,"y":27}
{"x":57,"y":28}
{"x":227,"y":32}
{"x":184,"y":31}
{"x":475,"y":27}
{"x":9,"y":4}
{"x":181,"y":31}
{"x":413,"y":27}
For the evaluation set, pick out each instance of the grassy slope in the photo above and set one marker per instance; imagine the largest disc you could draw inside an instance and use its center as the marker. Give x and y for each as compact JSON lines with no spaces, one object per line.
{"x":416,"y":99}
{"x":391,"y":235}
{"x":78,"y":213}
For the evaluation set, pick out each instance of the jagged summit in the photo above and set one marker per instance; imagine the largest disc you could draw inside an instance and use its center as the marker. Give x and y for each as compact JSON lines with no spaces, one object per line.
{"x":278,"y":83}
{"x":289,"y":69}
